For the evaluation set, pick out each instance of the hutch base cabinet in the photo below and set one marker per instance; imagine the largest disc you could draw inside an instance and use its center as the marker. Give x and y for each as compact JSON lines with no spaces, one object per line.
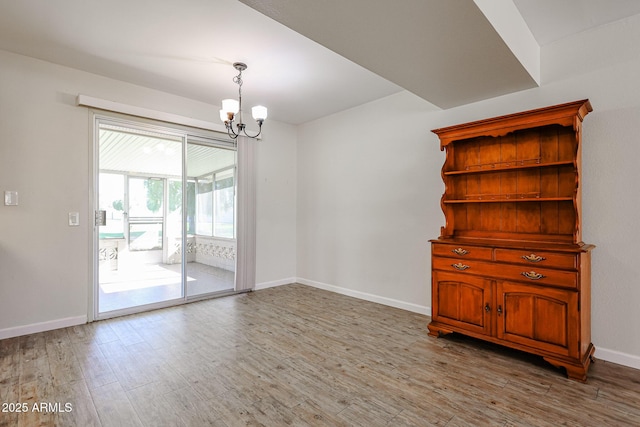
{"x":509,"y":265}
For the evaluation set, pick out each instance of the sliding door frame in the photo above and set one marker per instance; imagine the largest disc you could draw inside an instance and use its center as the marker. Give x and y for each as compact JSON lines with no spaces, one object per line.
{"x":245,"y":215}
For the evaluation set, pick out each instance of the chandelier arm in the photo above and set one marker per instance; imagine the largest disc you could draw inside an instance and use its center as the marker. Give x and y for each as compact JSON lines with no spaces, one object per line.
{"x":256,"y":135}
{"x":230,"y":132}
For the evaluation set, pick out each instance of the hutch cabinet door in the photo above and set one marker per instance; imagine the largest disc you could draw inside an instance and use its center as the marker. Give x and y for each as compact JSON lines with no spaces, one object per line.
{"x":462,"y":301}
{"x":538,"y":317}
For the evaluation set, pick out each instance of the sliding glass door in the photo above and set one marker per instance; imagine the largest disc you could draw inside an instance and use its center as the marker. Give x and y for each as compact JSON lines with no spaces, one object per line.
{"x":165,"y":217}
{"x":211,"y":238}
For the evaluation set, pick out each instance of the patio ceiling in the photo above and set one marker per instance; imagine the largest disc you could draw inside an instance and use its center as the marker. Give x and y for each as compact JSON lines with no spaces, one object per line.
{"x":155,"y":154}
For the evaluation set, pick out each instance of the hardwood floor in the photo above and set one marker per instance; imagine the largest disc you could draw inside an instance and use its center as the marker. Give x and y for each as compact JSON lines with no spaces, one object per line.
{"x":294,"y":355}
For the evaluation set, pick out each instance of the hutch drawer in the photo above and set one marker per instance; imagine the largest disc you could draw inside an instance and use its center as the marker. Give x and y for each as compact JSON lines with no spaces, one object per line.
{"x":519,"y":273}
{"x":462,"y":251}
{"x":537,"y":258}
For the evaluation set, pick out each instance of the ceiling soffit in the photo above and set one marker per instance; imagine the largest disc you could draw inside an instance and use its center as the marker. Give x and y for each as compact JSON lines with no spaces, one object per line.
{"x":445,"y":52}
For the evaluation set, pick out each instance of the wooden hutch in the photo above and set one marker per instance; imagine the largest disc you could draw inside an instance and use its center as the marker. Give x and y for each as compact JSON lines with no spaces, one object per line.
{"x":510,"y":266}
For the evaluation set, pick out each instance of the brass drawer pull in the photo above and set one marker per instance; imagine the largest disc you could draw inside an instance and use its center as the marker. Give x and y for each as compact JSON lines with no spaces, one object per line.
{"x":532,"y":275}
{"x":460,"y":251}
{"x":533,"y":258}
{"x":460,"y":266}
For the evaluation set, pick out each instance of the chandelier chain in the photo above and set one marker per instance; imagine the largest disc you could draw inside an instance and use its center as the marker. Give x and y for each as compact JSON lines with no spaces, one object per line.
{"x":229,"y":118}
{"x":238,"y":79}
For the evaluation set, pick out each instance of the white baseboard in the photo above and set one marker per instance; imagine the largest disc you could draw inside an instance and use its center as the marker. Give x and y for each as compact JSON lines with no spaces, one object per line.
{"x":415,"y":308}
{"x":42,"y":327}
{"x":265,"y":285}
{"x":617,"y":357}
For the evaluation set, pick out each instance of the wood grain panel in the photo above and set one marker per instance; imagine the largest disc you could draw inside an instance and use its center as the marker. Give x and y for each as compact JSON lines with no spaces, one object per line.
{"x":549,"y":179}
{"x":489,"y":184}
{"x":508,"y":184}
{"x":473,"y":213}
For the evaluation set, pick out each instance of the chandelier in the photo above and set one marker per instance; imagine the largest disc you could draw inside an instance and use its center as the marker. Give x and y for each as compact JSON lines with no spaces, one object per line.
{"x":232,"y":109}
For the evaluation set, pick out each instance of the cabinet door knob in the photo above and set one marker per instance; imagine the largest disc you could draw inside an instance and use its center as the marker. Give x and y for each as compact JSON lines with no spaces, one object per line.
{"x":532,"y":275}
{"x":487,"y":308}
{"x":460,"y":266}
{"x":499,"y":310}
{"x":533,"y":258}
{"x":460,"y":251}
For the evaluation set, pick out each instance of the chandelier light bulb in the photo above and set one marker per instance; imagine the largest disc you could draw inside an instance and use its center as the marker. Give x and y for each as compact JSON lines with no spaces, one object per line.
{"x":230,"y":106}
{"x":259,"y":112}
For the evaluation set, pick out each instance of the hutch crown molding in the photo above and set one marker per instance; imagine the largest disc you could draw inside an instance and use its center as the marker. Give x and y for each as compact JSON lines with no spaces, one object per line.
{"x":509,"y":265}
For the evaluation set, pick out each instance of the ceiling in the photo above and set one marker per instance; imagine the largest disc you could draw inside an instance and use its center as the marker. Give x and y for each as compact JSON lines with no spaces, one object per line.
{"x":306,"y":58}
{"x":552,"y":20}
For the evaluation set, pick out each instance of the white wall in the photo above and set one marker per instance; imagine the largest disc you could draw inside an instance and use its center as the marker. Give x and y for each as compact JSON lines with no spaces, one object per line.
{"x":365,"y":193}
{"x":45,"y":273}
{"x":369,"y":186}
{"x":276,"y":206}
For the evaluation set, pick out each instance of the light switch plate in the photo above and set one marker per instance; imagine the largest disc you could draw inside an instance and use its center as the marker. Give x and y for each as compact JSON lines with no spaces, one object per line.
{"x":74,"y":219}
{"x":11,"y":198}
